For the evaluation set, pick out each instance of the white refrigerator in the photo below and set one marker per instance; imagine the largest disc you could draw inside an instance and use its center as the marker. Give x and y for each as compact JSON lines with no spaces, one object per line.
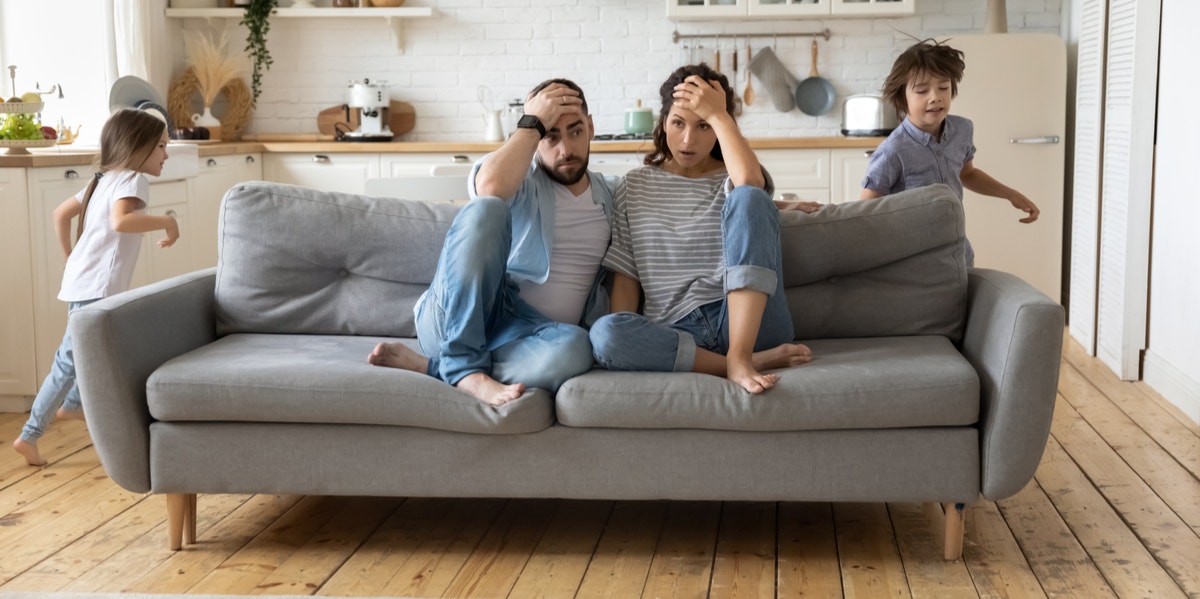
{"x":1015,"y":90}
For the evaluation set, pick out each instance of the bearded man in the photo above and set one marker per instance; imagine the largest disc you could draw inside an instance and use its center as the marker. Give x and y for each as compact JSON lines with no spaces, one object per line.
{"x":519,"y":276}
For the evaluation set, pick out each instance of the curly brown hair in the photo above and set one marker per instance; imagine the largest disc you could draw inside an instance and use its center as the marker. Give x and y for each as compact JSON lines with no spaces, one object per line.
{"x":666,"y":95}
{"x":927,"y":56}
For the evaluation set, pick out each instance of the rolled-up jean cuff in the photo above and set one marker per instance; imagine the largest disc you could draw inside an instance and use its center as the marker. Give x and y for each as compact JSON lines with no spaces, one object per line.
{"x":685,"y":355}
{"x":754,"y":278}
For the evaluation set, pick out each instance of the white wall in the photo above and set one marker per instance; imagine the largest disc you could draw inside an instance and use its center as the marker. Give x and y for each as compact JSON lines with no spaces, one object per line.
{"x":617,"y":50}
{"x":1172,"y":364}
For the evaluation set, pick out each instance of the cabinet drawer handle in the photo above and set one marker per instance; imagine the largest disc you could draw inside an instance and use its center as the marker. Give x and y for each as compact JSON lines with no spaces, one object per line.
{"x":172,"y":214}
{"x":212,"y":162}
{"x":249,"y":160}
{"x":868,"y":153}
{"x":71,"y":174}
{"x":321,"y":159}
{"x":788,"y":197}
{"x":459,"y":159}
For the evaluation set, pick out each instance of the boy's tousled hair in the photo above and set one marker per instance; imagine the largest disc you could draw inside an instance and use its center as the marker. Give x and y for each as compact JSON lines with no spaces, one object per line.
{"x":126,"y":141}
{"x":927,"y":56}
{"x":667,"y":97}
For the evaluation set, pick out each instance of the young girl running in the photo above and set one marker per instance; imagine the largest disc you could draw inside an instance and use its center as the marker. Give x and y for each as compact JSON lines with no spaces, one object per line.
{"x":112,"y":218}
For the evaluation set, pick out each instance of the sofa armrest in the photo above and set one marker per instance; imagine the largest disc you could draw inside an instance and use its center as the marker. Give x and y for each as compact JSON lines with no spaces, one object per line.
{"x":1013,"y":338}
{"x":118,"y":342}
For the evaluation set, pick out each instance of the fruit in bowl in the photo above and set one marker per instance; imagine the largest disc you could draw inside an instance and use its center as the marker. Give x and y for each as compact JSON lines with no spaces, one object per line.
{"x":21,"y":127}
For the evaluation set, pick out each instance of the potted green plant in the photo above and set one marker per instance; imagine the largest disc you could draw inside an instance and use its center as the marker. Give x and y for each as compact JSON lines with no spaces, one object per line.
{"x":257,"y":21}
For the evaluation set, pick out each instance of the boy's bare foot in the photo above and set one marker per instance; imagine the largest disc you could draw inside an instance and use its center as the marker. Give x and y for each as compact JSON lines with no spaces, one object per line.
{"x":750,"y":378}
{"x":398,"y":355}
{"x":782,"y":356}
{"x":29,"y":451}
{"x":489,"y":390}
{"x":69,"y":414}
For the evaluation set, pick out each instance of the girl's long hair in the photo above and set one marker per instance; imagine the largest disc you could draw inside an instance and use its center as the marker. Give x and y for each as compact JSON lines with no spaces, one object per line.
{"x":126,"y":141}
{"x":666,"y":95}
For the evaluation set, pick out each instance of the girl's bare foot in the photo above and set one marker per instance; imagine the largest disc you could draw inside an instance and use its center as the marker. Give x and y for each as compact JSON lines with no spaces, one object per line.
{"x":489,"y":390}
{"x":782,"y":356}
{"x":69,"y":414}
{"x":398,"y":355}
{"x":29,"y":451}
{"x":749,"y":378}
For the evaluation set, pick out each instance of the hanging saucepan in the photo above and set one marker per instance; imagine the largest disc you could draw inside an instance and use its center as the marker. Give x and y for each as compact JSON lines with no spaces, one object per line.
{"x":814,"y":95}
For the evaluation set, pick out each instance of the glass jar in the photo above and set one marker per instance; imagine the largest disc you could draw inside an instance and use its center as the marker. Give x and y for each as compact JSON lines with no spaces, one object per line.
{"x":513,"y":111}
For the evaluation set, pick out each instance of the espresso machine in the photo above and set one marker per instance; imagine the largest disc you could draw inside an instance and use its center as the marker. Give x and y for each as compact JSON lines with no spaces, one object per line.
{"x":371,"y":101}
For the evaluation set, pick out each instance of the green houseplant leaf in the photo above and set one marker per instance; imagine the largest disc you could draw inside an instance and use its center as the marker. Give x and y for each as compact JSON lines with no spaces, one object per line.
{"x":257,"y":21}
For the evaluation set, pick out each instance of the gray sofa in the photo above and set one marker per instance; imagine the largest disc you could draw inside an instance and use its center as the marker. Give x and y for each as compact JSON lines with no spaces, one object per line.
{"x":930,"y":382}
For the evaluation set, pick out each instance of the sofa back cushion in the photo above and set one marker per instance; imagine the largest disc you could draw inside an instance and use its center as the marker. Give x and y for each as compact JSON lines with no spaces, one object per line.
{"x":298,"y":260}
{"x":893,"y":266}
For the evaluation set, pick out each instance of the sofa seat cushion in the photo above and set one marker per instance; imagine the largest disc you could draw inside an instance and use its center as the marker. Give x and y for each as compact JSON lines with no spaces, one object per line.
{"x":324,"y":379}
{"x":866,"y":383}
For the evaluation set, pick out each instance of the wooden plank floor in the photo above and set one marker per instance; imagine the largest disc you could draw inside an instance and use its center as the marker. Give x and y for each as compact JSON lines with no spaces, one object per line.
{"x":1114,"y":511}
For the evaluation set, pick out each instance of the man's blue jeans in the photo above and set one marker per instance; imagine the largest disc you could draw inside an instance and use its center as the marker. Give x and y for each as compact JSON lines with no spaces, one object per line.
{"x":59,"y":388}
{"x":750,"y":233}
{"x":472,"y":318}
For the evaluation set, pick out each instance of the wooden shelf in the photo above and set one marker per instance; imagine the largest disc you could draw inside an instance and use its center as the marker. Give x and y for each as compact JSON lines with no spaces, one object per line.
{"x":394,"y":16}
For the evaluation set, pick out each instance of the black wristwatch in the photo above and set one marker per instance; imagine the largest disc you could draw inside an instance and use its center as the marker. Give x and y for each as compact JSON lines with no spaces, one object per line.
{"x":530,"y":121}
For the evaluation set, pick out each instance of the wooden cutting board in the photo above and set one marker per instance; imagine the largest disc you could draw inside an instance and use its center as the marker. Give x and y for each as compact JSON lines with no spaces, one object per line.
{"x":402,"y":117}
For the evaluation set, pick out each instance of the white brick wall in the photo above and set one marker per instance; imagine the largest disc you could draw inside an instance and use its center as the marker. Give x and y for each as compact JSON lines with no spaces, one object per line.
{"x":617,"y":50}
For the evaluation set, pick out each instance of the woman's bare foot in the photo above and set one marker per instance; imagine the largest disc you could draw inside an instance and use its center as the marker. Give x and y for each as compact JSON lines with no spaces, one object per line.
{"x":782,"y":356}
{"x":489,"y":390}
{"x":69,"y":414}
{"x":29,"y":451}
{"x":398,"y":355}
{"x":750,"y":378}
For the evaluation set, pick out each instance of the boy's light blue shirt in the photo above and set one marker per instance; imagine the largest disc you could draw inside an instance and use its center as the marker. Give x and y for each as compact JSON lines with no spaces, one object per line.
{"x":911,"y":158}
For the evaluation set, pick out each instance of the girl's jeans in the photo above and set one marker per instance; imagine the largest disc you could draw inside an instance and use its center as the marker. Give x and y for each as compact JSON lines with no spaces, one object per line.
{"x":59,"y":388}
{"x":472,"y":318}
{"x":750,"y":233}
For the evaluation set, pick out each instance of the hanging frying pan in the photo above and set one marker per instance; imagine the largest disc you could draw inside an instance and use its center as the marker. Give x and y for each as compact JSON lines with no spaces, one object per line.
{"x":814,"y":95}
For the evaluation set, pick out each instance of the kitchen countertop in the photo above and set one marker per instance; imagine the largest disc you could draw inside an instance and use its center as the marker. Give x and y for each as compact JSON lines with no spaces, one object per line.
{"x":68,"y":156}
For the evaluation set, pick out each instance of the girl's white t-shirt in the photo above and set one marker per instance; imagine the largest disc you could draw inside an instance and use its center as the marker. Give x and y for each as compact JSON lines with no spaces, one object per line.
{"x":102,"y":262}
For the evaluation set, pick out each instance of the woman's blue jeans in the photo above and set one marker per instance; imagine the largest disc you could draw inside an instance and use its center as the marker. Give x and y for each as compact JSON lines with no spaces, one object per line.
{"x":472,"y":318}
{"x":750,"y":233}
{"x":59,"y":389}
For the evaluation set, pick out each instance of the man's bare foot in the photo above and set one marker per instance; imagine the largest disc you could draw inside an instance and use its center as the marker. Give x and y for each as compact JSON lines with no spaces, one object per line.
{"x":69,"y":414}
{"x":398,"y":355}
{"x":750,"y":378}
{"x":29,"y":451}
{"x":782,"y":356}
{"x":489,"y":390}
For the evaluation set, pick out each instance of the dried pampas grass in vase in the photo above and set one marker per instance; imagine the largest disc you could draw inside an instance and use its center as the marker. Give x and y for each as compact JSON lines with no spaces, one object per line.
{"x":213,"y":69}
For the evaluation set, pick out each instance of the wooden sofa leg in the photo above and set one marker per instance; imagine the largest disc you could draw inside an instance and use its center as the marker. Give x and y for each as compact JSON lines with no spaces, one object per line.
{"x":955,"y":528}
{"x":181,"y":519}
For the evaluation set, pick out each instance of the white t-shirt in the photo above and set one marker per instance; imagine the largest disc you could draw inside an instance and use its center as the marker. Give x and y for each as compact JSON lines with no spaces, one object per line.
{"x":102,"y":262}
{"x":581,"y":233}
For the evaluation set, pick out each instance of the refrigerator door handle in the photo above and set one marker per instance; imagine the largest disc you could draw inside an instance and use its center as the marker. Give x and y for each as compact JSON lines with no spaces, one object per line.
{"x":1045,"y":139}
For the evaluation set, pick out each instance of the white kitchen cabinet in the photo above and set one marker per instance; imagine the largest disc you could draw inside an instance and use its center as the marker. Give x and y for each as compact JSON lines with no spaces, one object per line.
{"x":614,"y":163}
{"x":217,"y":175}
{"x":847,"y":168}
{"x":327,"y":172}
{"x":717,"y":10}
{"x":18,"y":370}
{"x":154,"y":263}
{"x":798,"y":174}
{"x":427,"y":164}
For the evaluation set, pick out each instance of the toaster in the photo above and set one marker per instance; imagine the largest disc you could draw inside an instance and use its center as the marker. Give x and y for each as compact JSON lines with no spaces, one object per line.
{"x":867,"y":115}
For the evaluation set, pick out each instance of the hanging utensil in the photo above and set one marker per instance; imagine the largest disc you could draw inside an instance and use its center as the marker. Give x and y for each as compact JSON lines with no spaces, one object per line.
{"x":815,"y":95}
{"x":748,"y":96}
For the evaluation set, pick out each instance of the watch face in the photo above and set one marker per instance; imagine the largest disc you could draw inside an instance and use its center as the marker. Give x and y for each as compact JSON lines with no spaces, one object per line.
{"x":529,"y":121}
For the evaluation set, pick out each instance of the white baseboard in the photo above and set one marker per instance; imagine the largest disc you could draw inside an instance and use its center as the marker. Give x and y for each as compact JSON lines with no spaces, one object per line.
{"x":15,"y":403}
{"x":1173,"y":384}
